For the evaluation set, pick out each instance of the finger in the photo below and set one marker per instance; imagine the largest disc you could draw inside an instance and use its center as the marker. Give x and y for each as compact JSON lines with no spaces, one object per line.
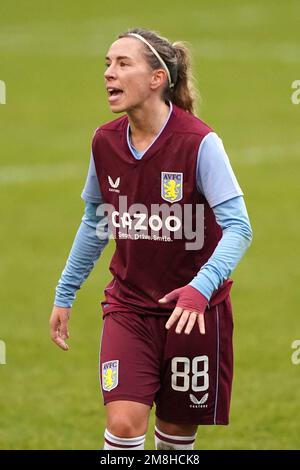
{"x":174,"y":317}
{"x":63,"y":327}
{"x":201,"y":323}
{"x":55,"y":333}
{"x":191,"y":323}
{"x":173,"y":295}
{"x":183,"y":319}
{"x":54,"y":325}
{"x":59,"y":342}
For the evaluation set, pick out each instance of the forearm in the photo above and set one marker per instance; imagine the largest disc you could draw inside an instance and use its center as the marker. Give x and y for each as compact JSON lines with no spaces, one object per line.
{"x":85,"y":252}
{"x":237,"y":236}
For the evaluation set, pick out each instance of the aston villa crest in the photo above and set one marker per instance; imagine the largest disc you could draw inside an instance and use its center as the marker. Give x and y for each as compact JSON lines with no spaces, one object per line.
{"x":171,"y":186}
{"x":110,"y":375}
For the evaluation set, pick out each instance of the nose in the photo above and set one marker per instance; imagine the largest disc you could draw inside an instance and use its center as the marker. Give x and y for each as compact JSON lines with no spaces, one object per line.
{"x":109,"y":73}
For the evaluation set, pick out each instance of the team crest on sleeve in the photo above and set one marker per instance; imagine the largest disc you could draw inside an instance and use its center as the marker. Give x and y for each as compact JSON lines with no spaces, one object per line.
{"x":110,"y":375}
{"x":171,"y":186}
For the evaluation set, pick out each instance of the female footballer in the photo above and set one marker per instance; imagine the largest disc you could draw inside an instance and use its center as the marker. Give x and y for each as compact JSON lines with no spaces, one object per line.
{"x":159,"y":183}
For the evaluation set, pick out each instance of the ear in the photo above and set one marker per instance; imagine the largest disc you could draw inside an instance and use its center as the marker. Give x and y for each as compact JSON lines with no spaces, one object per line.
{"x":159,"y":78}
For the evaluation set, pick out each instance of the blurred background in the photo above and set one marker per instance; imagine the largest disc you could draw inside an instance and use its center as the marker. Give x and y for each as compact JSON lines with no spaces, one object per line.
{"x":246,"y":57}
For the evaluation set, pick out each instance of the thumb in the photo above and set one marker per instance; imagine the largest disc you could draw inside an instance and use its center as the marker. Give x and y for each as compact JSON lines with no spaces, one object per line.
{"x":173,"y":295}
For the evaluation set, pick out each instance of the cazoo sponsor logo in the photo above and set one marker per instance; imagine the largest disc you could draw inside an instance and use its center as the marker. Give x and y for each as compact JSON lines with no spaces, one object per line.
{"x":164,"y":223}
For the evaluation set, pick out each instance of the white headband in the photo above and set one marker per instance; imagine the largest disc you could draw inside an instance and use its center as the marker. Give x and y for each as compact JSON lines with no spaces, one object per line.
{"x":171,"y":85}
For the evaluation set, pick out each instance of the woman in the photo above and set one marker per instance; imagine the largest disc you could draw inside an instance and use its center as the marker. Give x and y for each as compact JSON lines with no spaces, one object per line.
{"x":161,"y":184}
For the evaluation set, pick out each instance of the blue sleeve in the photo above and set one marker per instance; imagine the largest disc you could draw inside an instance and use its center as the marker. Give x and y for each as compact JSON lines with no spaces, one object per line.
{"x":86,"y":250}
{"x":232,"y":217}
{"x":215,"y":177}
{"x":91,"y":191}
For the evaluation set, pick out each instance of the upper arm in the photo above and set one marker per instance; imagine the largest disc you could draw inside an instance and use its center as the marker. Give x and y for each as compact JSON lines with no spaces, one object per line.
{"x":91,"y":191}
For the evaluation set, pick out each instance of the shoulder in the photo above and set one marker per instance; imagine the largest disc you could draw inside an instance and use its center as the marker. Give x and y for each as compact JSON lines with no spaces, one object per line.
{"x":212,"y":143}
{"x":190,"y":124}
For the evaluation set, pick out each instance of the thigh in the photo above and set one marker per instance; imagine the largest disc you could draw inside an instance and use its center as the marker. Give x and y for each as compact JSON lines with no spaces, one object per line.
{"x":173,"y":429}
{"x":129,"y":359}
{"x":197,"y":372}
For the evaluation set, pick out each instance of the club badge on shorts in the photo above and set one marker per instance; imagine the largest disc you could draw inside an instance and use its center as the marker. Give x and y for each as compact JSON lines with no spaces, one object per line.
{"x":171,"y":186}
{"x":110,"y":375}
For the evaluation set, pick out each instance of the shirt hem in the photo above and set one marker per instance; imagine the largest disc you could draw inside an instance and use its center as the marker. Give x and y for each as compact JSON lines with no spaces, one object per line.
{"x":226,"y":197}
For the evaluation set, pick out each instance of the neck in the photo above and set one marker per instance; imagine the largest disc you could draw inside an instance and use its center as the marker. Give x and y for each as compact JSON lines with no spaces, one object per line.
{"x":146,"y":121}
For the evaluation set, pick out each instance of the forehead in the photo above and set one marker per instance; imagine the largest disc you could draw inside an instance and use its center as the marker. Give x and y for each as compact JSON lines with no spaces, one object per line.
{"x":126,"y":47}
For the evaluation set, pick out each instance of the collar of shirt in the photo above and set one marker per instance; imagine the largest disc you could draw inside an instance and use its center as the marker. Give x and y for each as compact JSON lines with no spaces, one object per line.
{"x":134,"y":151}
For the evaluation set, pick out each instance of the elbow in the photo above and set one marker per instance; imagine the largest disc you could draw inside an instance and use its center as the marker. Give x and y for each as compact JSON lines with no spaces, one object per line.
{"x":246,"y":231}
{"x":249,"y":234}
{"x":242,"y":229}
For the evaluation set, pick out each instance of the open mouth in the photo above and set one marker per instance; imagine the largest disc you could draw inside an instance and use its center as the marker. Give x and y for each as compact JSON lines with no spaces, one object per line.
{"x":114,"y":94}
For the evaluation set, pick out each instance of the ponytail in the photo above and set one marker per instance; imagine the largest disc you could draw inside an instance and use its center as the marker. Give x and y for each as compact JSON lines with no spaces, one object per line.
{"x":184,"y":93}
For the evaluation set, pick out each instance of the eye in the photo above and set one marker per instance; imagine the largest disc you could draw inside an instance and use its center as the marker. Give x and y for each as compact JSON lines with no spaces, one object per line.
{"x":106,"y":65}
{"x":123,"y":64}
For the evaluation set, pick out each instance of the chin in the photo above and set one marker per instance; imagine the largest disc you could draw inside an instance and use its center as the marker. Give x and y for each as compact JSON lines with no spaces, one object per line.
{"x":123,"y":107}
{"x":117,"y":108}
{"x":118,"y":111}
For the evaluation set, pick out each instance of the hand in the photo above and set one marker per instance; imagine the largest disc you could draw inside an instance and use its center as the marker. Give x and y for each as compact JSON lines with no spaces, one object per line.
{"x":59,"y":326}
{"x":190,"y":308}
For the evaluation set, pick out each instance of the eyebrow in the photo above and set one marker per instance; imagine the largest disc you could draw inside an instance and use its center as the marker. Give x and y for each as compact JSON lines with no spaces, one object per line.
{"x":119,"y":57}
